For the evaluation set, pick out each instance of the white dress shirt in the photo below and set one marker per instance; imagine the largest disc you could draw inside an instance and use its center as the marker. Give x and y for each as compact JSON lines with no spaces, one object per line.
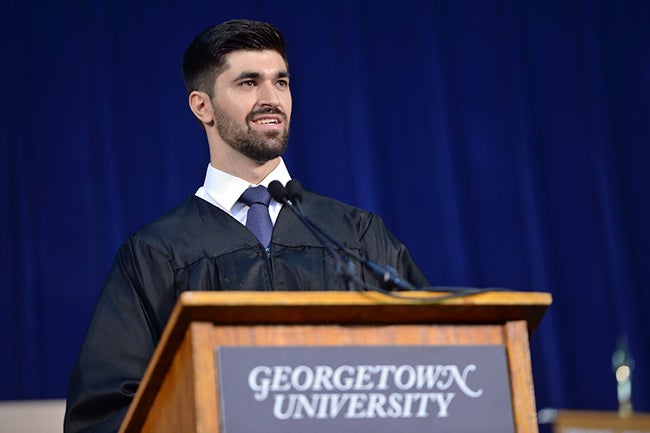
{"x":223,"y":190}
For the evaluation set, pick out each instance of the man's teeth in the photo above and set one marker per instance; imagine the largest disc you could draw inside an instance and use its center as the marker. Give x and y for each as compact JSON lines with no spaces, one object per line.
{"x":267,"y":121}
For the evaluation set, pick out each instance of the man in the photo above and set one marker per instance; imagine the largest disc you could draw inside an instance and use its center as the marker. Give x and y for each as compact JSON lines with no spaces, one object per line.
{"x":237,"y":78}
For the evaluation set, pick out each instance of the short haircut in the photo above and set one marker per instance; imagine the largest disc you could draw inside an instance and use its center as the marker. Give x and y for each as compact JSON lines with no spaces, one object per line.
{"x":205,"y":58}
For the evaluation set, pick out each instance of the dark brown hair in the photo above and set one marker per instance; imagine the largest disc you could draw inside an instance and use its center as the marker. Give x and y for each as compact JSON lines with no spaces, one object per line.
{"x":205,"y":58}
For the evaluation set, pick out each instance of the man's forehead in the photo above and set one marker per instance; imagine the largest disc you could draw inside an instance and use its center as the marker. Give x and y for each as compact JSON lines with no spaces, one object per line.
{"x":267,"y":61}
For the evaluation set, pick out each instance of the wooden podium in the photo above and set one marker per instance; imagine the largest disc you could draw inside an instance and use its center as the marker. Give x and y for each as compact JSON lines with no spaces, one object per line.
{"x":597,"y":421}
{"x":179,"y":391}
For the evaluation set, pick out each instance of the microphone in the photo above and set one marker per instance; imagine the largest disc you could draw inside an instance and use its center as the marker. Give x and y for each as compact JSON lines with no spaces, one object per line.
{"x":292,"y":197}
{"x":278,"y":192}
{"x":294,"y":188}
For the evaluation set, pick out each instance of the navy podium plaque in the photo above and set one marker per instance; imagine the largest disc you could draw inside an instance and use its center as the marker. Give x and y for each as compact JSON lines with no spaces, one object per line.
{"x":356,"y":389}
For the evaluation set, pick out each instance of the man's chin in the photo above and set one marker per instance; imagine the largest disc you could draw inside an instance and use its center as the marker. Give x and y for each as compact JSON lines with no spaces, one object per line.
{"x":264,"y":154}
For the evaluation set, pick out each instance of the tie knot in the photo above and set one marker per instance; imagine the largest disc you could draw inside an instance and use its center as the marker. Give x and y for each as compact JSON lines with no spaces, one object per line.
{"x":257,"y":194}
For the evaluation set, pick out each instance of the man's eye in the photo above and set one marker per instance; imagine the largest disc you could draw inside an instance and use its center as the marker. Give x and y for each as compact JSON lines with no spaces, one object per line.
{"x":248,"y":83}
{"x":282,"y":83}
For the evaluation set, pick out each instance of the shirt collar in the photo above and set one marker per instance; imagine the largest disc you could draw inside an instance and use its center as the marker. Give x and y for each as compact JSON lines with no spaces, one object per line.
{"x":225,"y":189}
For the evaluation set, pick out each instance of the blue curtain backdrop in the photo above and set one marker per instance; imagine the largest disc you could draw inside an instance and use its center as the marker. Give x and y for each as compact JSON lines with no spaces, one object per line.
{"x":506,"y":143}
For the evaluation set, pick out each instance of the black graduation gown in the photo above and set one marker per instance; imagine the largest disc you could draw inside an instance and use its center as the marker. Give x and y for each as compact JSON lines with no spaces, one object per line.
{"x":197,"y":246}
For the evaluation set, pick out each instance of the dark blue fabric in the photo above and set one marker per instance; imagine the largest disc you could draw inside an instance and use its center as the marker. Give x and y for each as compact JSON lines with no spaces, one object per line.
{"x":258,"y":219}
{"x":525,"y":125}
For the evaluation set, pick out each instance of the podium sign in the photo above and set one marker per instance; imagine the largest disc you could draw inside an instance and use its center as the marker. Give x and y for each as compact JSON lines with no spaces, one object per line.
{"x":379,"y":389}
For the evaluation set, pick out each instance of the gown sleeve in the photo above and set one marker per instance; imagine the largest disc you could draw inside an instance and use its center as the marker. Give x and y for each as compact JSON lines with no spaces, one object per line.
{"x":383,"y":247}
{"x":125,"y":327}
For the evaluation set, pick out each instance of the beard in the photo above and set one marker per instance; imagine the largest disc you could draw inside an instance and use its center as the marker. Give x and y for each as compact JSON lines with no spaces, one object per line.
{"x":258,"y":146}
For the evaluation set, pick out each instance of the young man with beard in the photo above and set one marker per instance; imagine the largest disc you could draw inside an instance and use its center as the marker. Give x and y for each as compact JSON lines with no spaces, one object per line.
{"x":237,"y":78}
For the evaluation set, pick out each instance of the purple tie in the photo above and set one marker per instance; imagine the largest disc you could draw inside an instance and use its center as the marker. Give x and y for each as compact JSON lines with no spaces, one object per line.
{"x":258,"y":220}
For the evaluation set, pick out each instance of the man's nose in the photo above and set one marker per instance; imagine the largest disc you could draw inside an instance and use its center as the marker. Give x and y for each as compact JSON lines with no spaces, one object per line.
{"x":267,"y":94}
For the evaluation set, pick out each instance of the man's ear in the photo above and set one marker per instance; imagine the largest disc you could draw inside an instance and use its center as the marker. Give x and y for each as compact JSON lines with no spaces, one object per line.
{"x":201,"y":106}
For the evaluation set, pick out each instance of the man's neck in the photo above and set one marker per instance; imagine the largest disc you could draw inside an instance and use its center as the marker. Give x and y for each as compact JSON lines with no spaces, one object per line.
{"x":247,"y":169}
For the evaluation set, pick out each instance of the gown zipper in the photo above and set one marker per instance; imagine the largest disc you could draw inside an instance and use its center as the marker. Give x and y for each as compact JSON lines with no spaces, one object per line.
{"x":269,"y":261}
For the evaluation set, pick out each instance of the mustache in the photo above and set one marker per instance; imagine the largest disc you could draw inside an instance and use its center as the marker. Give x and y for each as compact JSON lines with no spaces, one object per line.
{"x":267,"y":110}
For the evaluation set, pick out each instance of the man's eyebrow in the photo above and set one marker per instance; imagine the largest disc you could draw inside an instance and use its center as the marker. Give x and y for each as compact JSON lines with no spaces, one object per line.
{"x":250,"y":75}
{"x":247,"y":75}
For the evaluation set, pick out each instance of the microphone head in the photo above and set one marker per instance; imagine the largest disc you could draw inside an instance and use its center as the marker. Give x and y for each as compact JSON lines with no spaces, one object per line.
{"x":294,"y":190}
{"x":278,"y":192}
